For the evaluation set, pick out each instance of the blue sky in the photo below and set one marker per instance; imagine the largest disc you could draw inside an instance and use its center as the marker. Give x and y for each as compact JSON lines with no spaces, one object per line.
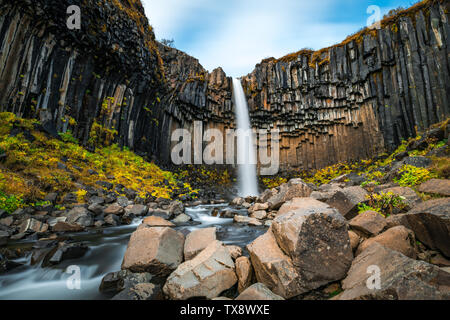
{"x":237,"y":34}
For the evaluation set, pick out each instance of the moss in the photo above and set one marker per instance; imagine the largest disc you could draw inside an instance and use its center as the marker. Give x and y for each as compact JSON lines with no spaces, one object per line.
{"x":30,"y":169}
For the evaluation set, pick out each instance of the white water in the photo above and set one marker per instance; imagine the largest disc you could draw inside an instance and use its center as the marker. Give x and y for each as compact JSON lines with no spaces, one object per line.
{"x":247,"y":178}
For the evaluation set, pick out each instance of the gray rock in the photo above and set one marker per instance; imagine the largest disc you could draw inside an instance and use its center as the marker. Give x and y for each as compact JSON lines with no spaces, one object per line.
{"x":258,"y":292}
{"x":402,"y":278}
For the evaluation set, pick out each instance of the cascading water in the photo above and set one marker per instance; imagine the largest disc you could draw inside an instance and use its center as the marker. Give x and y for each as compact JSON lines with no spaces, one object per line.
{"x":247,"y":178}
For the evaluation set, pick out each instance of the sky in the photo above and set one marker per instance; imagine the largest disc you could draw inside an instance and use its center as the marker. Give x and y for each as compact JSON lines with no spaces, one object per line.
{"x":238,"y":34}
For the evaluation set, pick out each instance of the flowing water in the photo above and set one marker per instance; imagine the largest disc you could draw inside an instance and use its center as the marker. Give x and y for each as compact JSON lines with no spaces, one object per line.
{"x":247,"y":178}
{"x":106,"y":250}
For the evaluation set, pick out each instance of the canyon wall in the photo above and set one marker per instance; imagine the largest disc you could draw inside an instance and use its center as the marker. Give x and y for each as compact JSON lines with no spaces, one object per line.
{"x":95,"y":82}
{"x":112,"y":81}
{"x":360,"y":97}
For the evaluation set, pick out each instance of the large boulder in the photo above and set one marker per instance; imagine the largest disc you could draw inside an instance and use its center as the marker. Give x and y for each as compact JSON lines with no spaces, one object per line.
{"x":295,"y":188}
{"x":274,"y":268}
{"x":397,"y":238}
{"x":157,"y":250}
{"x":80,"y":216}
{"x":347,"y":200}
{"x":244,"y":272}
{"x":198,"y":240}
{"x":436,"y":186}
{"x":370,"y":223}
{"x":401,"y":278}
{"x":297,"y":203}
{"x":430,"y":222}
{"x":315,"y":237}
{"x":258,"y":292}
{"x":207,"y":275}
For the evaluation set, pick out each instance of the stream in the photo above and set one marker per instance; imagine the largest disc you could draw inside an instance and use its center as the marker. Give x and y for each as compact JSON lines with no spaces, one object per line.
{"x":107,"y":247}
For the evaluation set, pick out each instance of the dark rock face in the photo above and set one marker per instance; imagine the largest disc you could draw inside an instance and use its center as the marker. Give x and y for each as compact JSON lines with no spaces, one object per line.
{"x":351,"y":100}
{"x":347,"y":102}
{"x":55,"y":74}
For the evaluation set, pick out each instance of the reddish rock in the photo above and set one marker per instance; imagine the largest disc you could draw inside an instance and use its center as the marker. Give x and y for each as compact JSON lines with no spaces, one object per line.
{"x":347,"y":200}
{"x":258,"y":292}
{"x":368,"y":222}
{"x":244,"y":272}
{"x":207,"y":275}
{"x":430,"y":222}
{"x":295,"y":188}
{"x":401,"y":278}
{"x":198,"y":240}
{"x":157,"y":250}
{"x":398,"y":238}
{"x":436,"y":186}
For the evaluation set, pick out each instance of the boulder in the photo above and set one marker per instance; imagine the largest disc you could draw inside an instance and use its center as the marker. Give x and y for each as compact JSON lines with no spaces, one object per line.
{"x":238,"y":201}
{"x":33,"y":225}
{"x":165,"y":214}
{"x":397,"y":220}
{"x":316,"y":238}
{"x":299,"y":203}
{"x":80,"y":216}
{"x":157,"y":250}
{"x":402,"y":278}
{"x":397,"y":238}
{"x":260,"y":214}
{"x":154,"y":221}
{"x":368,"y":222}
{"x":247,"y":220}
{"x":176,"y":208}
{"x":198,"y":240}
{"x":182,"y":219}
{"x":114,"y":209}
{"x":274,"y":268}
{"x":295,"y":188}
{"x":430,"y":222}
{"x":115,"y":282}
{"x":137,"y":210}
{"x":266,"y":195}
{"x":354,"y":240}
{"x":258,"y":207}
{"x":112,"y":220}
{"x":436,"y":186}
{"x":96,"y":208}
{"x":235,"y":251}
{"x":141,"y":291}
{"x":62,"y":226}
{"x":210,"y":273}
{"x":258,"y":292}
{"x":347,"y":200}
{"x":244,"y":272}
{"x":68,"y":251}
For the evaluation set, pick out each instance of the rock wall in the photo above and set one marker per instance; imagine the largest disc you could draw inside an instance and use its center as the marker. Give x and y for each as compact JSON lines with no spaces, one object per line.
{"x":360,"y":97}
{"x":101,"y":76}
{"x":112,"y":79}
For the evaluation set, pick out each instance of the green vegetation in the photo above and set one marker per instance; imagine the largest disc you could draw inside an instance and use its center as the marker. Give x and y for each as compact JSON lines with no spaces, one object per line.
{"x":10,"y":203}
{"x":411,"y":176}
{"x":383,"y":203}
{"x":32,"y":168}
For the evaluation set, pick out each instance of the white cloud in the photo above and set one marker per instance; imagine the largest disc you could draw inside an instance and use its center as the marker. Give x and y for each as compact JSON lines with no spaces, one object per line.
{"x":236,"y":35}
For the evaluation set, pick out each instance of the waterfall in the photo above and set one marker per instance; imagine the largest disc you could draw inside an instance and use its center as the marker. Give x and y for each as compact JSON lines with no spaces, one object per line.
{"x":246,"y":151}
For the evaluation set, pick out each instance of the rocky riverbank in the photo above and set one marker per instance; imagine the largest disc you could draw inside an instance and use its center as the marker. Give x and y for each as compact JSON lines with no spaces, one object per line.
{"x":322,"y":242}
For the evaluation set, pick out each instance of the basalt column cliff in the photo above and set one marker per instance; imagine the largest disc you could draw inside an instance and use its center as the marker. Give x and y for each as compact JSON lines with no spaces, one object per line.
{"x":111,"y":82}
{"x":362,"y":96}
